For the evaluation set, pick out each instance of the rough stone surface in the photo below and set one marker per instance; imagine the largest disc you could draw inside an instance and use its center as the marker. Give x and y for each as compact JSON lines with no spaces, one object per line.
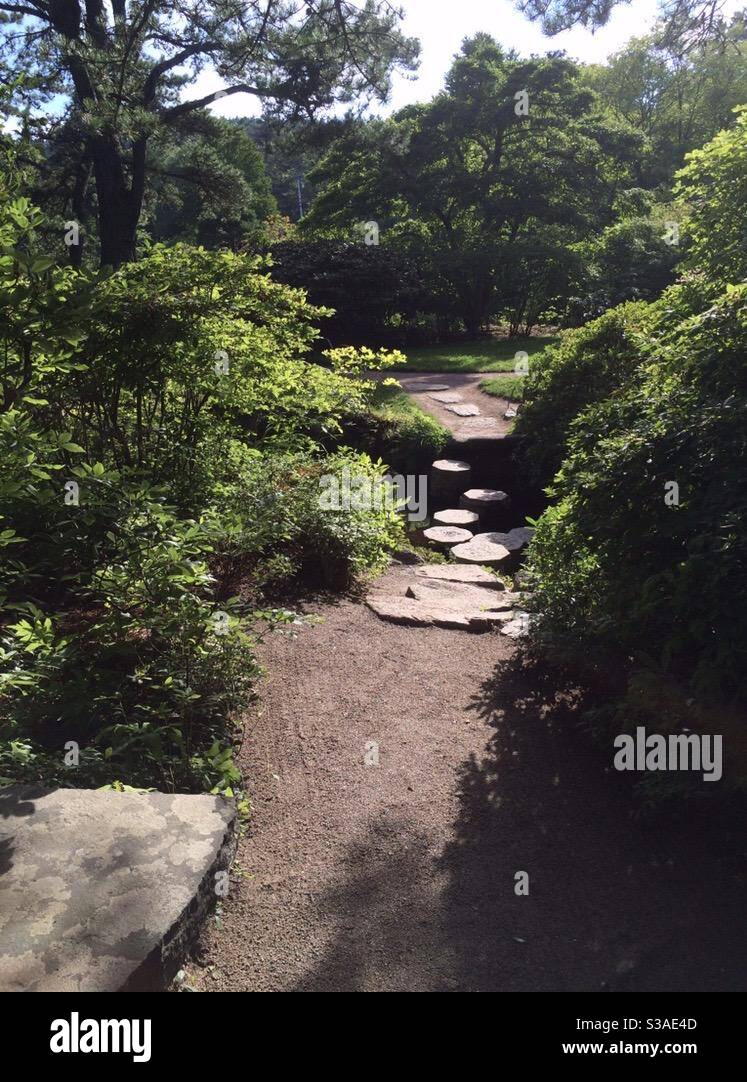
{"x":447,"y":397}
{"x":406,"y":610}
{"x":425,"y":388}
{"x":104,"y":891}
{"x":484,"y":548}
{"x":451,"y":467}
{"x":483,"y":499}
{"x":521,"y":534}
{"x":459,"y":573}
{"x":467,"y":520}
{"x":444,"y":537}
{"x":449,"y":476}
{"x":466,"y":409}
{"x":517,"y":628}
{"x":467,"y":596}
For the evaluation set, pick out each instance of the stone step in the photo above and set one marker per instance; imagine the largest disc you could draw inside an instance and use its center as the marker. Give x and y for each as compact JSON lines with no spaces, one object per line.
{"x":463,"y":409}
{"x":449,"y":477}
{"x":414,"y":613}
{"x":466,"y":520}
{"x":104,"y":891}
{"x":444,"y":537}
{"x":446,"y":397}
{"x":494,"y":549}
{"x":467,"y":596}
{"x":459,"y":573}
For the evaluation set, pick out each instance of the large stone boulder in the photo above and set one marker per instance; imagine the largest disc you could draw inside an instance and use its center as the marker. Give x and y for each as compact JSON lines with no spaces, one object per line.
{"x":103,"y":891}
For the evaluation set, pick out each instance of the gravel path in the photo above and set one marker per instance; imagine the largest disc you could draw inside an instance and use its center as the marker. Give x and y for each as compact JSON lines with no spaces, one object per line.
{"x":401,"y":876}
{"x":466,"y":384}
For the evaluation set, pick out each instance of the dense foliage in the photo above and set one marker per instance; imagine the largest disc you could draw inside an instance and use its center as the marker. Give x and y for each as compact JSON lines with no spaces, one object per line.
{"x":161,"y":428}
{"x":640,"y":561}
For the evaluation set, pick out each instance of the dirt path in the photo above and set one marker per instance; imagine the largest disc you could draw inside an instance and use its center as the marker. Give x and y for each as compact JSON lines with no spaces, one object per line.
{"x":490,"y":422}
{"x":401,"y":876}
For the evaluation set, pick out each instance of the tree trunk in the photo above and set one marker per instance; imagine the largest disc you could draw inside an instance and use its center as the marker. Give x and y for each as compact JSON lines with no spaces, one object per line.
{"x":119,"y":203}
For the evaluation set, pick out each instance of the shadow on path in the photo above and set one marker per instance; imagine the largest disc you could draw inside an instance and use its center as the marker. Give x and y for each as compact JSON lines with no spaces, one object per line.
{"x":615,"y":903}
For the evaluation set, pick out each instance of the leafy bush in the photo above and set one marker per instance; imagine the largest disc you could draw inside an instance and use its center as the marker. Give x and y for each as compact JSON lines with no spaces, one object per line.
{"x":623,"y":573}
{"x":286,"y":534}
{"x":395,"y":429}
{"x":586,"y":366}
{"x":713,"y":185}
{"x":135,"y":409}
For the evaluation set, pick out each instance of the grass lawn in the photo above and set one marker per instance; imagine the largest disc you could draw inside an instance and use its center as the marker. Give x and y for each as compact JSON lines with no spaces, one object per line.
{"x":510,"y":387}
{"x":485,"y":355}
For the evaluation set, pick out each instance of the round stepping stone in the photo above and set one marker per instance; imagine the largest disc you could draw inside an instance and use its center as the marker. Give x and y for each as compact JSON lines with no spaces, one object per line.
{"x":449,"y":476}
{"x":443,"y":537}
{"x":487,"y":501}
{"x":467,"y":520}
{"x":484,"y":548}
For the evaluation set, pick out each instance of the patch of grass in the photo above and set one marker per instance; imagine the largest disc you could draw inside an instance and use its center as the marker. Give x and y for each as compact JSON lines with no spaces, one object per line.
{"x":510,"y":387}
{"x":485,"y":355}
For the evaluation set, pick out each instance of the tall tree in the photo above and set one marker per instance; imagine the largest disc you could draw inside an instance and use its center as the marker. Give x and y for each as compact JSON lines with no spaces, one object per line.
{"x":487,"y":183}
{"x":125,"y":66}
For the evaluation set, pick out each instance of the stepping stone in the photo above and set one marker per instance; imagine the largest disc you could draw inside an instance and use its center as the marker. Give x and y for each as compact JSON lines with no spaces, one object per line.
{"x":413,"y":613}
{"x":468,"y":520}
{"x":446,"y":397}
{"x":470,"y":597}
{"x":406,"y":610}
{"x":105,"y":891}
{"x":456,"y":573}
{"x":520,"y":536}
{"x":443,"y":537}
{"x":426,"y":388}
{"x":449,"y":476}
{"x":484,"y":500}
{"x":484,"y":548}
{"x":466,"y":410}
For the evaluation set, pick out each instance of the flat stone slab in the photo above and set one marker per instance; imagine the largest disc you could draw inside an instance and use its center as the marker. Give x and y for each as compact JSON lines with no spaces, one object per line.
{"x":451,"y":467}
{"x":446,"y":536}
{"x":457,"y":517}
{"x":414,"y":613}
{"x":484,"y":499}
{"x":105,"y":891}
{"x":406,"y":610}
{"x":449,"y":476}
{"x":484,"y":548}
{"x":466,"y":409}
{"x":446,"y":397}
{"x":426,"y":388}
{"x":473,"y":429}
{"x":461,"y":573}
{"x":469,"y":597}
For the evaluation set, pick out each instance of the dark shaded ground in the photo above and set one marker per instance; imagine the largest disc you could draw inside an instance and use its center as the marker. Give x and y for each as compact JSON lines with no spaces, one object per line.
{"x":401,"y":876}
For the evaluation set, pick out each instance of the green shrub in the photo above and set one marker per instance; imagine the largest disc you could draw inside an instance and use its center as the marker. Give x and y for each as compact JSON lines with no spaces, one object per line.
{"x":587,"y":366}
{"x":283,"y":531}
{"x":395,"y":429}
{"x":628,"y":579}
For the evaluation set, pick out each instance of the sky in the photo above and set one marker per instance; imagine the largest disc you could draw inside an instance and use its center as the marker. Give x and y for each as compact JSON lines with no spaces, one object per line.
{"x":441,"y":25}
